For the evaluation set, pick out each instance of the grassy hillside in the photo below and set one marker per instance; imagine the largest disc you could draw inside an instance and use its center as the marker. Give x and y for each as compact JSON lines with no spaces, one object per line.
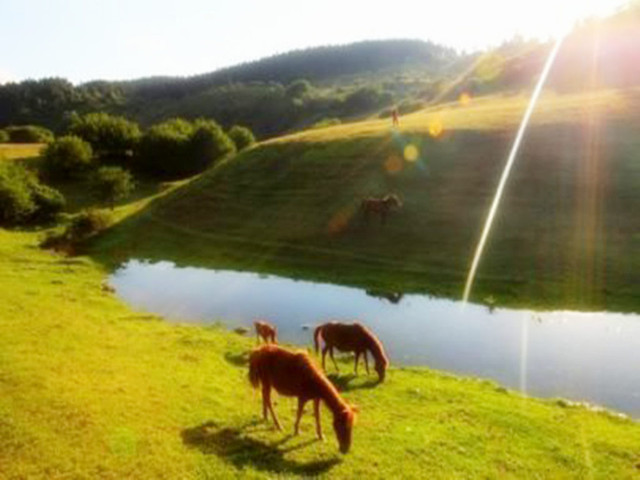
{"x":91,"y":389}
{"x":567,"y":235}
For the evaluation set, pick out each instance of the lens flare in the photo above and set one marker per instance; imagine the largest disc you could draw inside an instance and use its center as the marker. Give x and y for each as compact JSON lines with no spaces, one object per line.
{"x":490,"y":67}
{"x":436,"y":127}
{"x":340,"y":220}
{"x":507,"y":168}
{"x":393,"y":164}
{"x":411,"y":153}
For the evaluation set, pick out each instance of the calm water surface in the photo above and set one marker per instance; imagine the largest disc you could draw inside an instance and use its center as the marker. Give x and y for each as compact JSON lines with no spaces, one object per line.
{"x":581,"y":356}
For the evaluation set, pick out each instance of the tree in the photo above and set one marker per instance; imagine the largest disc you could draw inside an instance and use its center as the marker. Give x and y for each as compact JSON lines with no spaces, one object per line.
{"x":207,"y":144}
{"x":112,"y":184}
{"x":68,"y":157}
{"x":112,"y":138}
{"x":242,"y":137}
{"x":178,"y":148}
{"x":366,"y":98}
{"x":23,"y":199}
{"x":161,"y":149}
{"x":299,"y":88}
{"x":29,"y":134}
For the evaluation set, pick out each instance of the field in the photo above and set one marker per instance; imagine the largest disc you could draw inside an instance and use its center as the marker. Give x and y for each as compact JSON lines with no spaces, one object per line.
{"x":91,"y":389}
{"x":566,"y":235}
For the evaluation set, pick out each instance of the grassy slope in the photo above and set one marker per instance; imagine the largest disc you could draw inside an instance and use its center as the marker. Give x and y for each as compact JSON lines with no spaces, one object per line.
{"x":91,"y":389}
{"x":567,"y":235}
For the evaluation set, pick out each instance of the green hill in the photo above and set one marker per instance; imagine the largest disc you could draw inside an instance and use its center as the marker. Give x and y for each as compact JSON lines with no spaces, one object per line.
{"x":566,"y":236}
{"x":257,"y":94}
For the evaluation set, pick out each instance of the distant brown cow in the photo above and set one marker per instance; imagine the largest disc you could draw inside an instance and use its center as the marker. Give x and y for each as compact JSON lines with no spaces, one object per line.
{"x":266,"y":331}
{"x":379,"y":206}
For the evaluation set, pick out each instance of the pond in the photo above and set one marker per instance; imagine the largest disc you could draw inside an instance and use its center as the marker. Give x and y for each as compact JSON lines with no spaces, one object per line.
{"x":589,"y":357}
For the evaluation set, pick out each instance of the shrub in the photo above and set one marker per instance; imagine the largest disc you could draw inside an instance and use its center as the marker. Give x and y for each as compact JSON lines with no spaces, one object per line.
{"x":87,"y":224}
{"x":161,"y":150}
{"x":4,"y":136}
{"x":208,"y":143}
{"x":16,"y":204}
{"x":49,"y":202}
{"x":366,"y":98}
{"x":177,"y":148}
{"x":112,"y":138}
{"x":326,"y":122}
{"x":298,"y":88}
{"x":409,"y":106}
{"x":242,"y":137}
{"x":29,"y":134}
{"x":23,"y":199}
{"x":68,"y":157}
{"x":112,"y":184}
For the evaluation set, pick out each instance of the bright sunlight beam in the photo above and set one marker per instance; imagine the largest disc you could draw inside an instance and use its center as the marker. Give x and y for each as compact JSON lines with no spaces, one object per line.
{"x":507,"y":168}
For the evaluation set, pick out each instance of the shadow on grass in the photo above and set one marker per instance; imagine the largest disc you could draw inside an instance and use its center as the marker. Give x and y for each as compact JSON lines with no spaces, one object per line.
{"x":236,"y":447}
{"x":237,"y":359}
{"x":344,"y":382}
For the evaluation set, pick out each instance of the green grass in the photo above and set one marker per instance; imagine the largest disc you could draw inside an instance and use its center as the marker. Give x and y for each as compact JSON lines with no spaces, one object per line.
{"x":566,"y":235}
{"x":20,"y":151}
{"x":91,"y":389}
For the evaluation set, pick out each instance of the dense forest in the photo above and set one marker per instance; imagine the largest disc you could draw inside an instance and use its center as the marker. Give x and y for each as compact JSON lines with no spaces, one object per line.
{"x":325,"y":85}
{"x":271,"y":95}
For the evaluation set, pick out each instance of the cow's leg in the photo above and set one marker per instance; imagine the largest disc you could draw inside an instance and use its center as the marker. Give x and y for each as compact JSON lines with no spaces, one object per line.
{"x":324,"y":356}
{"x":333,"y":359}
{"x":316,"y":412}
{"x":366,"y":361}
{"x":296,"y":428}
{"x":266,"y":392}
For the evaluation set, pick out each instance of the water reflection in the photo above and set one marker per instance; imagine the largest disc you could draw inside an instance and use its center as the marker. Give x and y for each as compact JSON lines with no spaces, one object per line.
{"x":580,"y":356}
{"x":393,"y":297}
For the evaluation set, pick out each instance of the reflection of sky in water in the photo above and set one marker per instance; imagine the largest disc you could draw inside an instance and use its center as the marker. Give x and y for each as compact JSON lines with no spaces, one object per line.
{"x":581,"y":356}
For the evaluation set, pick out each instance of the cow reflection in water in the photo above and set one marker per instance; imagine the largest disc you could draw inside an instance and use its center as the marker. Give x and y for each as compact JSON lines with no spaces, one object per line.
{"x":393,"y":297}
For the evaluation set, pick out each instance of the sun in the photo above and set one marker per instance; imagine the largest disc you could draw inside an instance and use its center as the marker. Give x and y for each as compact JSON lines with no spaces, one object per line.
{"x":544,"y":19}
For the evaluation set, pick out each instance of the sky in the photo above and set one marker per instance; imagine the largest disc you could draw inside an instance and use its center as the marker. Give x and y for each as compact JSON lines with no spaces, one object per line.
{"x":84,"y":40}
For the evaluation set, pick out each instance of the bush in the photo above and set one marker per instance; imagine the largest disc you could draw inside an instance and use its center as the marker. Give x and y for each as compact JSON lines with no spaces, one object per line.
{"x":298,"y":88}
{"x":161,"y":150}
{"x":23,"y":199}
{"x":4,"y":136}
{"x":29,"y":134}
{"x":208,"y":143}
{"x":68,"y":157}
{"x":326,"y":122}
{"x":242,"y":137}
{"x":112,"y":138}
{"x":82,"y":226}
{"x":16,"y":204}
{"x":49,"y":202}
{"x":366,"y":98}
{"x":408,"y":106}
{"x":112,"y":184}
{"x":87,"y":224}
{"x":177,"y":148}
{"x":405,"y":107}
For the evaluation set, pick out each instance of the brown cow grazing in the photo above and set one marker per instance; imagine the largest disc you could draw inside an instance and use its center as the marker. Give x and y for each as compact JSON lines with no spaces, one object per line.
{"x":266,"y":331}
{"x":379,"y":206}
{"x":351,"y":338}
{"x":294,"y":374}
